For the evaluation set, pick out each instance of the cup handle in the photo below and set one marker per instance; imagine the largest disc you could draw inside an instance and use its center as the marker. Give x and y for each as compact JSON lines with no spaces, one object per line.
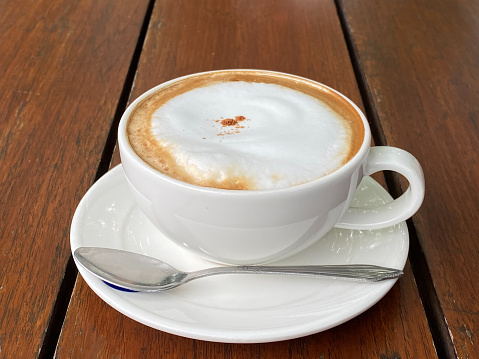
{"x":382,"y":158}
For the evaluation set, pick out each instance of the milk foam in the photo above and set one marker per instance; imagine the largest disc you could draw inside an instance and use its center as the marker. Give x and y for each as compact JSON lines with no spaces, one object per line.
{"x":284,"y":137}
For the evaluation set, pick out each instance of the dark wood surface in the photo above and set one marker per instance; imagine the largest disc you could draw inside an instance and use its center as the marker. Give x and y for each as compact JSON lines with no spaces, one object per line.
{"x":68,"y":71}
{"x":420,"y":61}
{"x":63,"y":65}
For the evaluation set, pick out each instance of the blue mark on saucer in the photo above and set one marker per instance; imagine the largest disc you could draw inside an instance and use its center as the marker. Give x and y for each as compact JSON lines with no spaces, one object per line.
{"x":120,"y":288}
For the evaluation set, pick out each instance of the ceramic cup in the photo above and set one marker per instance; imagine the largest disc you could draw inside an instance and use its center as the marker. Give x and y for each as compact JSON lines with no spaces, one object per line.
{"x":259,"y":226}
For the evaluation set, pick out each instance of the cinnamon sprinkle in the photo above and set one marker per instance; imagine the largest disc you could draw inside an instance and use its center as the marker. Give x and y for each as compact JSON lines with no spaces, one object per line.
{"x":229,"y":122}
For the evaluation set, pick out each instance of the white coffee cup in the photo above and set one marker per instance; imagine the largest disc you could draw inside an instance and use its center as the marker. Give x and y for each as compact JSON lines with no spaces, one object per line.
{"x":259,"y":226}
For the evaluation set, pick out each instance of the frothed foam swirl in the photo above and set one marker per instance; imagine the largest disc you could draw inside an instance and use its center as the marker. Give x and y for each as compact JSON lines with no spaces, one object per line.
{"x":247,"y":135}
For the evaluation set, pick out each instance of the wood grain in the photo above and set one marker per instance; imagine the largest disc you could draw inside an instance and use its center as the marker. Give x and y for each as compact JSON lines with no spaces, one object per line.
{"x":281,"y":36}
{"x":298,"y":37}
{"x":63,"y":68}
{"x":421,"y":63}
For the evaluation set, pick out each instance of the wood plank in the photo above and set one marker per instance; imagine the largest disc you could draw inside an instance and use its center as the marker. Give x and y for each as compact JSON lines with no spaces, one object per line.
{"x":282,"y":36}
{"x":421,"y":63}
{"x":63,"y":68}
{"x":302,"y":38}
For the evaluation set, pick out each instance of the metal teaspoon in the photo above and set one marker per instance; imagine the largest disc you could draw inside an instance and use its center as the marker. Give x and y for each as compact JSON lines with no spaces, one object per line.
{"x":141,"y":273}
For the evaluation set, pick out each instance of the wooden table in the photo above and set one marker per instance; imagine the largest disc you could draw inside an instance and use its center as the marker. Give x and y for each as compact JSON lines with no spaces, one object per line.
{"x":69,"y":69}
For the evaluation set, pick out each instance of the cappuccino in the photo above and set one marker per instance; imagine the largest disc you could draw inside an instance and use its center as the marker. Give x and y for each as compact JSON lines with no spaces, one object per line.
{"x":245,"y":130}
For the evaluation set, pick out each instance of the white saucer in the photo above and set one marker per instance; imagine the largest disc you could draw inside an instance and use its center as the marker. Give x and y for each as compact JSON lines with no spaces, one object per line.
{"x":236,"y":308}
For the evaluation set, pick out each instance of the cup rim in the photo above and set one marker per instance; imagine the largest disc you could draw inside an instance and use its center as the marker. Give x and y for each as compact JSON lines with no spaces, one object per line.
{"x":356,"y":160}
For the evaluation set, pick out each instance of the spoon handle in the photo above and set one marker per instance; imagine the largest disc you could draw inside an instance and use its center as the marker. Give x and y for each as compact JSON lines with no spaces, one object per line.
{"x":357,"y":272}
